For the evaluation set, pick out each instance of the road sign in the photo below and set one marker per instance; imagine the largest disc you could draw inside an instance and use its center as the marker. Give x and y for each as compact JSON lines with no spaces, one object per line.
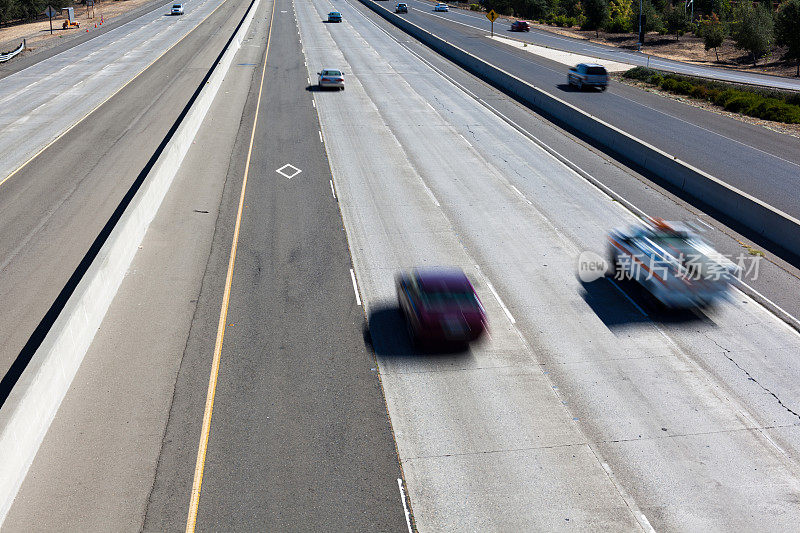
{"x":492,"y":16}
{"x":50,"y":13}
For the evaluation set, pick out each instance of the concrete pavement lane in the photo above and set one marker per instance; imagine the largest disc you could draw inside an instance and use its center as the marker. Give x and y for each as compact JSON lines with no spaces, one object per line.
{"x":42,"y":101}
{"x":775,"y":279}
{"x":581,"y":46}
{"x":729,"y":149}
{"x":690,"y":417}
{"x":53,"y":209}
{"x":300,"y":437}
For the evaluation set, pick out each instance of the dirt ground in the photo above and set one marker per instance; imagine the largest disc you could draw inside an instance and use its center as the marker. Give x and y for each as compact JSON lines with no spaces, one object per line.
{"x":37,"y":34}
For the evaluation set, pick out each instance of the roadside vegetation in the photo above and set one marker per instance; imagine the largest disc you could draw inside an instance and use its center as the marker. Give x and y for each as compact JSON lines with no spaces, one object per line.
{"x":759,"y":103}
{"x":28,"y":10}
{"x":760,"y":30}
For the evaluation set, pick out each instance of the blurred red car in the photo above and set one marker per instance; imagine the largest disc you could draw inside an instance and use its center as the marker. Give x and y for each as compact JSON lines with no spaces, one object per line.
{"x":440,"y":305}
{"x":520,"y":25}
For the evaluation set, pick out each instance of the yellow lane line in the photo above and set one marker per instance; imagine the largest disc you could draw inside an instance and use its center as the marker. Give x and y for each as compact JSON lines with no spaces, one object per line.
{"x":194,"y":503}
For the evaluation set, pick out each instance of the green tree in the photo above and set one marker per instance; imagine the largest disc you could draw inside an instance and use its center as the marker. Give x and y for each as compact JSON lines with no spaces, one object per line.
{"x":675,"y":18}
{"x":787,"y":30}
{"x":653,"y":20}
{"x":596,"y":13}
{"x":753,"y":29}
{"x":714,"y":33}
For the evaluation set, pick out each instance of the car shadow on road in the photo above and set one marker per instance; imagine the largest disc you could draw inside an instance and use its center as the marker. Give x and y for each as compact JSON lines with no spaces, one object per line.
{"x":386,"y":334}
{"x":635,"y":306}
{"x":567,"y":88}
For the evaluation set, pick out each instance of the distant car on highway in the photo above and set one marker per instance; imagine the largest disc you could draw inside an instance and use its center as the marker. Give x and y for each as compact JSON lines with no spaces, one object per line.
{"x":672,"y":262}
{"x":440,"y":305}
{"x":334,"y":16}
{"x":401,"y":8}
{"x":441,"y":7}
{"x":520,"y":25}
{"x":177,"y":9}
{"x":331,"y":78}
{"x":588,"y":75}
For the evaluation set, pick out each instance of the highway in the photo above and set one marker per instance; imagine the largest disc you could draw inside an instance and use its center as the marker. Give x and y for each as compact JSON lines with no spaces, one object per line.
{"x":611,"y":53}
{"x":728,"y":149}
{"x":586,"y":407}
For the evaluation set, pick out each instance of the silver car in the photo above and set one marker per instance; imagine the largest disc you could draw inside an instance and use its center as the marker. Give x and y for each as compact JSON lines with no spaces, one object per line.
{"x":588,"y":75}
{"x":331,"y":78}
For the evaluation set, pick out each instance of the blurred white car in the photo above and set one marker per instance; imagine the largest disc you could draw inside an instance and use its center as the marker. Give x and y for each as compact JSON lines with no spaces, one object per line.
{"x":672,"y":262}
{"x":441,"y":7}
{"x":177,"y":9}
{"x":331,"y":78}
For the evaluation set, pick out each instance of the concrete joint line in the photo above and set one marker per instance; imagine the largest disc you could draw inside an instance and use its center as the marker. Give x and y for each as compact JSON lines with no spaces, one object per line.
{"x":31,"y":406}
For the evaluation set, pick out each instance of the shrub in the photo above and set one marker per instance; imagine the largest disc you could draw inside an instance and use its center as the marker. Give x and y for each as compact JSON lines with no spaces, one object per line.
{"x":618,"y":25}
{"x":669,"y":84}
{"x":474,"y":7}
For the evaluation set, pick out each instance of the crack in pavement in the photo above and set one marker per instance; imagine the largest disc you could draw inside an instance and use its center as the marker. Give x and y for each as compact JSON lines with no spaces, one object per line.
{"x":726,"y":351}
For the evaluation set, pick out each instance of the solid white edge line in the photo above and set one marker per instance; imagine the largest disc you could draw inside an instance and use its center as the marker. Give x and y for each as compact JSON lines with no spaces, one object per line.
{"x":355,"y":286}
{"x":405,"y":505}
{"x":520,"y":193}
{"x":333,"y":192}
{"x":500,"y":301}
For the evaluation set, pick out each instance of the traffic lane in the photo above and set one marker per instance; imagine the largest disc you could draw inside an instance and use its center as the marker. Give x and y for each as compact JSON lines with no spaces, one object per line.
{"x":774,"y":278}
{"x":635,"y":367}
{"x":95,"y":468}
{"x":25,"y":61}
{"x":743,"y":328}
{"x":300,"y":438}
{"x":44,"y":100}
{"x":726,"y":148}
{"x":53,"y":209}
{"x":448,"y":409}
{"x":583,"y":46}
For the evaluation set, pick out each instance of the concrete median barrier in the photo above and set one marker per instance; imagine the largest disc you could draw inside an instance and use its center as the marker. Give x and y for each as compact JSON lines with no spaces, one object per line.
{"x":26,"y":414}
{"x":757,"y":216}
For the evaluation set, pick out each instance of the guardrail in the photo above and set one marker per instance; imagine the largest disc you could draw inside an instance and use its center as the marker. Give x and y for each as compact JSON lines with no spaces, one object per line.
{"x":8,"y":55}
{"x":752,"y":213}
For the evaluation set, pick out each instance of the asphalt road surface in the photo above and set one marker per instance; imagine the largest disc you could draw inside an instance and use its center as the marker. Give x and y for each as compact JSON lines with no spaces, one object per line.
{"x":611,"y":53}
{"x":731,"y":150}
{"x":300,"y":437}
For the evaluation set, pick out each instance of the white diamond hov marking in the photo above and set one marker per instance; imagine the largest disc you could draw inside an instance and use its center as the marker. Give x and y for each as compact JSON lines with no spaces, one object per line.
{"x":288,"y":171}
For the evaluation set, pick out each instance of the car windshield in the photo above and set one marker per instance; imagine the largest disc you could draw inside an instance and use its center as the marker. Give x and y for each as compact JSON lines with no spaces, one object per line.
{"x":449,"y":299}
{"x":595,"y":70}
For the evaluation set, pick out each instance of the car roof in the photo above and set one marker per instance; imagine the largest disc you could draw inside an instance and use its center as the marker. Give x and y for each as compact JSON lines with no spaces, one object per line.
{"x":442,"y":279}
{"x":591,"y":65}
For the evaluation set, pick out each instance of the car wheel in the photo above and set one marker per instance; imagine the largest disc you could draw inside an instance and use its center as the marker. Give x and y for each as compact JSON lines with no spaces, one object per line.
{"x":580,"y":85}
{"x":603,"y":88}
